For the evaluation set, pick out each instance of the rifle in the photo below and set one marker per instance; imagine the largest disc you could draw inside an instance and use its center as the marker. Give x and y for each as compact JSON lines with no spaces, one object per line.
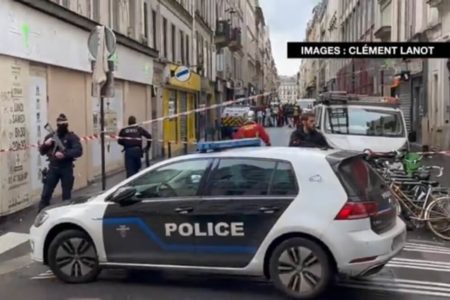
{"x":58,"y":142}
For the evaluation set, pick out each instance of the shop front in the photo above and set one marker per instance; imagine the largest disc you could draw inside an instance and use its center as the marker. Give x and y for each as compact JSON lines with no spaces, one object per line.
{"x":179,"y":94}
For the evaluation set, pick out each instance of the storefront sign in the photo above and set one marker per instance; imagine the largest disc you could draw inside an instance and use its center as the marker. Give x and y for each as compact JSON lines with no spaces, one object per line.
{"x":193,"y":83}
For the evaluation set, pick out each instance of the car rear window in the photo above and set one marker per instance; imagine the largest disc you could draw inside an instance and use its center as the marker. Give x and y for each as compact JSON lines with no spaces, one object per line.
{"x":360,"y":181}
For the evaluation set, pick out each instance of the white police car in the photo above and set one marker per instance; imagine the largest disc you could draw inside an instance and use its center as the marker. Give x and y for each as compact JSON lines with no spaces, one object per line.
{"x":296,"y":216}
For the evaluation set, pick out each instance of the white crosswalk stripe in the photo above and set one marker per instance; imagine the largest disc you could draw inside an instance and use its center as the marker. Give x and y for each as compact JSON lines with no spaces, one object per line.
{"x":10,"y":240}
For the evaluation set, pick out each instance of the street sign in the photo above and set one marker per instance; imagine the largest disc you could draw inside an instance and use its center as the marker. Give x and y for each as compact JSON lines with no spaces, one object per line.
{"x":182,"y":73}
{"x":93,"y":40}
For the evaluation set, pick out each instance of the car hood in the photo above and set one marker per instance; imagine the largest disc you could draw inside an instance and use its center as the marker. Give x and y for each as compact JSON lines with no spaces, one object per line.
{"x":75,"y":201}
{"x":360,"y":143}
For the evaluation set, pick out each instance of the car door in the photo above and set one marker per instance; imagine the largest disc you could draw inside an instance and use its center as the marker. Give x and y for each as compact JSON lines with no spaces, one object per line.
{"x":243,"y":199}
{"x":156,"y":228}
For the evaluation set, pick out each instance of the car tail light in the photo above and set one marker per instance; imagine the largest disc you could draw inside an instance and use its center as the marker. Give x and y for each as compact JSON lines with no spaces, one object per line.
{"x":357,"y":210}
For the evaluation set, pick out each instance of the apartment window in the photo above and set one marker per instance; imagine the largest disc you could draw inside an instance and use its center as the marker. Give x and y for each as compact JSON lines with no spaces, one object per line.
{"x":399,"y":22}
{"x":96,"y":11}
{"x":182,"y":47}
{"x":386,"y":14}
{"x":188,"y":52}
{"x":174,"y":48}
{"x":116,"y":15}
{"x":146,"y":20}
{"x":155,"y":44}
{"x":165,"y":53}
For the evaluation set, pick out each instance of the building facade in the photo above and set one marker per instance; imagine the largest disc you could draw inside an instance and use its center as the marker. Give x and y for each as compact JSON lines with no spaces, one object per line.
{"x":423,"y":94}
{"x":169,"y":59}
{"x":287,"y":91}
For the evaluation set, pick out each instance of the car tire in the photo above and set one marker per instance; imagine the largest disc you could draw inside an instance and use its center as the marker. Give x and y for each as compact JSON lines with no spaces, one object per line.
{"x":306,"y":269}
{"x":72,"y":257}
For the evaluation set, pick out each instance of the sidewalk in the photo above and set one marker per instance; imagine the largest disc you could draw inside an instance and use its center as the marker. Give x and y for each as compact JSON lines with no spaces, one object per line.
{"x":22,"y":220}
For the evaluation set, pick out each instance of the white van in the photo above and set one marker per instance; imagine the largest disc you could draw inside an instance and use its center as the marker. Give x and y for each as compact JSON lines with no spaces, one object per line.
{"x":357,"y":123}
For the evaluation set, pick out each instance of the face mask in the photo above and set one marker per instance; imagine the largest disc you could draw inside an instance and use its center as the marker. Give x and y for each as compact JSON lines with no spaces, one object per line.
{"x":62,"y":129}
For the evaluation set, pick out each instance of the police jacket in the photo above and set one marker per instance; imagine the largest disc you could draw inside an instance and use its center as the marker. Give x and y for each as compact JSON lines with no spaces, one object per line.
{"x":314,"y":139}
{"x":131,"y":137}
{"x":73,"y":150}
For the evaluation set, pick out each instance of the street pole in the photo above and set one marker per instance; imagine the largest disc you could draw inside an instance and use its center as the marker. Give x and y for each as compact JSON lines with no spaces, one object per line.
{"x":102,"y":139}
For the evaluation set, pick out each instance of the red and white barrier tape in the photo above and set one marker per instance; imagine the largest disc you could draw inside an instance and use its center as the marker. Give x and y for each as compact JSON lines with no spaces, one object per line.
{"x":115,"y":136}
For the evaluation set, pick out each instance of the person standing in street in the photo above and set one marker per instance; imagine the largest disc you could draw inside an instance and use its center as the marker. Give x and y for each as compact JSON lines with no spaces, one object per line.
{"x":251,"y":129}
{"x":131,"y":140}
{"x":62,"y":148}
{"x":306,"y":134}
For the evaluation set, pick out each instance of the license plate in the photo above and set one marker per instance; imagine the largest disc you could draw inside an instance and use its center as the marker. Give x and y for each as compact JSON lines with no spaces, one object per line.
{"x":398,"y":240}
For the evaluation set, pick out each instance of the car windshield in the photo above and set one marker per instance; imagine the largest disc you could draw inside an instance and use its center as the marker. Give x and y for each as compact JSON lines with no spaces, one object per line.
{"x":364,"y":121}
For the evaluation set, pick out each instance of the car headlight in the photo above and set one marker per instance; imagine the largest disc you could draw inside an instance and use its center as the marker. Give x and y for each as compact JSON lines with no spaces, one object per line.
{"x":40,"y":219}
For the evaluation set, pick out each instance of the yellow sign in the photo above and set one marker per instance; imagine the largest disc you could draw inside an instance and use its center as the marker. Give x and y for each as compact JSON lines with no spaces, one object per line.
{"x":191,"y":82}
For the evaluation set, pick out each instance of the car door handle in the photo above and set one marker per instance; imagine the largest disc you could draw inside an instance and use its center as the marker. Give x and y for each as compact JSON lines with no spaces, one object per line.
{"x":269,"y":210}
{"x":183,"y":210}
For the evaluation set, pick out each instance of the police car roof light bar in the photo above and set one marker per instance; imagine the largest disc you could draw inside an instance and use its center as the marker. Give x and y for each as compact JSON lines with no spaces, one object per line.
{"x":204,"y":147}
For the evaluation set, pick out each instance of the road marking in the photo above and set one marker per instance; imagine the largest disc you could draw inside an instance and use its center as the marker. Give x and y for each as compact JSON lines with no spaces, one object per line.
{"x":11,"y":240}
{"x":397,"y":285}
{"x":426,"y":250}
{"x":45,"y":275}
{"x":15,"y":264}
{"x":420,"y":261}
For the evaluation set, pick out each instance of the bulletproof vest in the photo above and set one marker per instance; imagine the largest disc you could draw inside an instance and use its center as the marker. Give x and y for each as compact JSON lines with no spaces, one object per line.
{"x":134,"y":135}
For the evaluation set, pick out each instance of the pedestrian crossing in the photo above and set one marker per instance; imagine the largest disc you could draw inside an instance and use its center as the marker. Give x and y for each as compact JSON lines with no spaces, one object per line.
{"x":430,"y":260}
{"x":10,"y":240}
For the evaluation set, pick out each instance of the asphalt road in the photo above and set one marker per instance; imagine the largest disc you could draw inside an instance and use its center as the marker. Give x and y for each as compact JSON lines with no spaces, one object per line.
{"x":421,"y":271}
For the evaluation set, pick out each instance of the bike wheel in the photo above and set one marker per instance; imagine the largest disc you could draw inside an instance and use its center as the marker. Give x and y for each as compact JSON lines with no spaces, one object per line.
{"x":437,"y":215}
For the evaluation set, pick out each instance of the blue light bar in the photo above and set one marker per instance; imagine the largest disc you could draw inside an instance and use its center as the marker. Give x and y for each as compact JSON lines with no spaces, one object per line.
{"x":230,"y":144}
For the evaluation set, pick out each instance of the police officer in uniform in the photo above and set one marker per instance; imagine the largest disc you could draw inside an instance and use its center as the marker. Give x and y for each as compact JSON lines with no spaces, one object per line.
{"x":131,"y":140}
{"x":61,"y":161}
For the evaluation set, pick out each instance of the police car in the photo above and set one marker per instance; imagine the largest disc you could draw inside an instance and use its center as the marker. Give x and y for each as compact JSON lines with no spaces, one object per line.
{"x":297,"y":216}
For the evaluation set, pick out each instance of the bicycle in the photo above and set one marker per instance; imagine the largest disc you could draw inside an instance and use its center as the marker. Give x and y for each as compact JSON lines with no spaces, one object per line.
{"x":417,"y":208}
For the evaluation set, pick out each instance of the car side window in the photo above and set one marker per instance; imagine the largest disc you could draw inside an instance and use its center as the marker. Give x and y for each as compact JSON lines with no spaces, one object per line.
{"x":318,"y":112}
{"x":180,"y":179}
{"x":284,"y":182}
{"x":241,"y":177}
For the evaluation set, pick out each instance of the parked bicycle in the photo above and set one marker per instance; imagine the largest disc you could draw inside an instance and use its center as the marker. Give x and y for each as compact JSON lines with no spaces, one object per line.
{"x":419,"y":200}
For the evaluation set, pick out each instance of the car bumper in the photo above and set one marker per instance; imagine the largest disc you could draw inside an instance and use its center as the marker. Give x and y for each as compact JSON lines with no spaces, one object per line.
{"x":37,"y":244}
{"x":362,"y":253}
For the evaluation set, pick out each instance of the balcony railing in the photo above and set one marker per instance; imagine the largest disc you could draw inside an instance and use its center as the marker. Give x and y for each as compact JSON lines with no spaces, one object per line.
{"x":235,"y":40}
{"x":223,"y":33}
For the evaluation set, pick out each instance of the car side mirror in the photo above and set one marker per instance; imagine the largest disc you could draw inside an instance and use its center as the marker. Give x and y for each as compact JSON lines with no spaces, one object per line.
{"x":412,"y":137}
{"x":124,"y":195}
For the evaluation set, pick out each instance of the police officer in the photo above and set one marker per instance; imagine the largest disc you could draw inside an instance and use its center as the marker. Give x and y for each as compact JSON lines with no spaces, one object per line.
{"x":131,"y":140}
{"x":251,"y":129}
{"x":60,"y":160}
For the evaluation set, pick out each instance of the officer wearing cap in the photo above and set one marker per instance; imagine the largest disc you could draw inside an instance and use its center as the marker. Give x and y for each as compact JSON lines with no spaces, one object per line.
{"x":131,"y":140}
{"x":61,"y":157}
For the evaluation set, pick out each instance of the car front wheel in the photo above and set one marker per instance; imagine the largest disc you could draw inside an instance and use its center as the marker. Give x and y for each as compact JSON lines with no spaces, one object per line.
{"x":300,"y":268}
{"x":73,"y":258}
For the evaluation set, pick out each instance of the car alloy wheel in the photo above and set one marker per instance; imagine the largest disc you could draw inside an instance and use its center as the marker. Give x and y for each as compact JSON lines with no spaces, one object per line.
{"x":300,"y":268}
{"x":73,"y":257}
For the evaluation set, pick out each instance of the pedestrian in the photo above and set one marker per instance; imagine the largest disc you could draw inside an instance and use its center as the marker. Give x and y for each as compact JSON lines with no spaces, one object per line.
{"x":260,"y":116}
{"x":251,"y":129}
{"x":306,"y":134}
{"x":62,"y":148}
{"x":131,"y":139}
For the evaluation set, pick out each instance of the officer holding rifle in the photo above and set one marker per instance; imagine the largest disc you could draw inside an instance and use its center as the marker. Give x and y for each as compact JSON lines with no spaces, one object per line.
{"x":62,"y":147}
